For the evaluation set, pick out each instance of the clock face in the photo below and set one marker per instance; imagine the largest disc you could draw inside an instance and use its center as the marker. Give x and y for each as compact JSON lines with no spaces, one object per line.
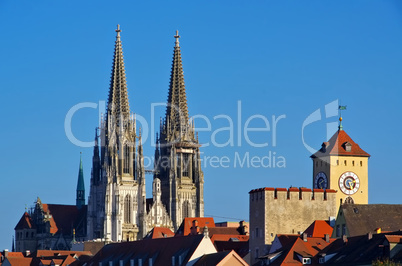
{"x":349,"y":183}
{"x":321,"y":181}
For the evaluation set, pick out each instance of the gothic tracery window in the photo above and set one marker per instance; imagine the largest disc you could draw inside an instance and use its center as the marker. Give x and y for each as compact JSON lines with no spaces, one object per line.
{"x":186,"y":164}
{"x":126,"y":164}
{"x":127,"y":209}
{"x":186,"y":209}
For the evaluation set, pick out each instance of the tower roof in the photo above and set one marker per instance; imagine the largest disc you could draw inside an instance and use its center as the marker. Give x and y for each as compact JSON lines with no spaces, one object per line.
{"x":177,"y":110}
{"x":340,"y":144}
{"x":80,"y":183}
{"x":25,"y":222}
{"x":118,"y":97}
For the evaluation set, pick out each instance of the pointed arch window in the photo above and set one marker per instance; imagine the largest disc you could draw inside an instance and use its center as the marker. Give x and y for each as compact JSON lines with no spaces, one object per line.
{"x":186,"y":164}
{"x":178,"y":164}
{"x":127,"y":209}
{"x":126,"y":165}
{"x":186,"y":209}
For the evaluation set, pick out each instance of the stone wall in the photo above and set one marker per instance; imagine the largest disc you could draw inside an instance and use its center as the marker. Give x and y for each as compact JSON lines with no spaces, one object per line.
{"x":285,"y":211}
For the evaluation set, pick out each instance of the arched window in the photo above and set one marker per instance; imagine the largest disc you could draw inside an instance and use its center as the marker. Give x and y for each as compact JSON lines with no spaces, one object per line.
{"x":126,"y":164}
{"x":186,"y":209}
{"x":127,"y":209}
{"x":186,"y":164}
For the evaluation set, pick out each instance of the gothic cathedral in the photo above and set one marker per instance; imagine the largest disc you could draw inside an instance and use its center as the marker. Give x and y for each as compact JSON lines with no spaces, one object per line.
{"x":118,"y":209}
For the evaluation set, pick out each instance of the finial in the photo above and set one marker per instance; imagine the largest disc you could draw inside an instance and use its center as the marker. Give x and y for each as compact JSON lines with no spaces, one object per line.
{"x":177,"y":36}
{"x":341,"y":107}
{"x":118,"y":30}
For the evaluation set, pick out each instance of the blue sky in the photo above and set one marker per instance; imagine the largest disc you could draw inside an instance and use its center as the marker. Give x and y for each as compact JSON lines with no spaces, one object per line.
{"x":277,"y":58}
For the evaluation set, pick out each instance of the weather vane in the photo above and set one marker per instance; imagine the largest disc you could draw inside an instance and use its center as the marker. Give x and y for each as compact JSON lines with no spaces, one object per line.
{"x":341,"y":107}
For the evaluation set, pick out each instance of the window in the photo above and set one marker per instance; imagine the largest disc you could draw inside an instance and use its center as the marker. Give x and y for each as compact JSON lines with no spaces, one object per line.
{"x":338,"y":231}
{"x":306,"y":261}
{"x":337,"y":162}
{"x":186,"y":209}
{"x":256,"y":253}
{"x":344,"y":229}
{"x":353,"y":163}
{"x":127,"y":209}
{"x":126,"y":159}
{"x":346,"y":163}
{"x":256,"y":232}
{"x":186,"y":164}
{"x":361,"y":163}
{"x":178,"y":161}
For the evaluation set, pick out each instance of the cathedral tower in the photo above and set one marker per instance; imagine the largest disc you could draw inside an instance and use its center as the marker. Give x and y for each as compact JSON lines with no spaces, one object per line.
{"x":177,"y":155}
{"x":116,"y":204}
{"x":342,"y":165}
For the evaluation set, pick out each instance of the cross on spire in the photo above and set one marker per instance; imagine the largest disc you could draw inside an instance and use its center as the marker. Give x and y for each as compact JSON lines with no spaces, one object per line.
{"x":118,"y":30}
{"x":177,"y":36}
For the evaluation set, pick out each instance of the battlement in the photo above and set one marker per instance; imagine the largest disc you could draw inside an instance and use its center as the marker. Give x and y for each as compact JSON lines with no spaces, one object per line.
{"x":292,"y":193}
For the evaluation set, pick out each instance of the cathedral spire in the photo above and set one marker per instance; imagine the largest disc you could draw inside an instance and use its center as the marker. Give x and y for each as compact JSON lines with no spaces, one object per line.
{"x":177,"y":110}
{"x":80,"y":200}
{"x":118,"y":98}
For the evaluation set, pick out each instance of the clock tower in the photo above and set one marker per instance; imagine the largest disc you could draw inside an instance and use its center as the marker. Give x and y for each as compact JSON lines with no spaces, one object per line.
{"x":342,"y":165}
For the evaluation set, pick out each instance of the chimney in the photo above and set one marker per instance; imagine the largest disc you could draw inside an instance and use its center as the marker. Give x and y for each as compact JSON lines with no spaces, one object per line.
{"x":369,"y":235}
{"x":305,"y":237}
{"x":27,"y":253}
{"x":5,"y":253}
{"x":326,"y":237}
{"x":378,"y":230}
{"x":206,"y":233}
{"x":242,"y":228}
{"x":345,"y":239}
{"x":195,"y":230}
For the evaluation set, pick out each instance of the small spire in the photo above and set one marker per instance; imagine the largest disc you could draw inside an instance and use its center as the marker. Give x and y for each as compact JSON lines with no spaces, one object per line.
{"x":340,"y":123}
{"x":177,"y":36}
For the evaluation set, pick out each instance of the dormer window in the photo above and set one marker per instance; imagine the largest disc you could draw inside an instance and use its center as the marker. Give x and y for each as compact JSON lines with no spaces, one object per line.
{"x":348,"y":146}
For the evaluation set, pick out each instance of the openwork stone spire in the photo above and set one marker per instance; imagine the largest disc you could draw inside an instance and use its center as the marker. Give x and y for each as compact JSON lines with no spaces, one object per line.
{"x":118,"y":98}
{"x":177,"y":110}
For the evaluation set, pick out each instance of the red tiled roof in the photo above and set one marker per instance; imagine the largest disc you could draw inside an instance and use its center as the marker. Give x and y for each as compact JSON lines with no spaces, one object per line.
{"x":13,"y":254}
{"x":185,"y":227}
{"x":18,"y":261}
{"x":309,"y":248}
{"x":227,"y":237}
{"x":337,"y":146}
{"x":319,"y":228}
{"x":25,"y":222}
{"x":160,"y":232}
{"x":394,"y":238}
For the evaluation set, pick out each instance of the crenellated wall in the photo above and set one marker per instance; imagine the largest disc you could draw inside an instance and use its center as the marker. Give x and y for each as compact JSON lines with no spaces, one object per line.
{"x":286,"y":211}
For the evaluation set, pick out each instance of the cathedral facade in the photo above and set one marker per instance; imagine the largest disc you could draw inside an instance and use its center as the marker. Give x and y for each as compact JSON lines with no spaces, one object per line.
{"x":118,"y":209}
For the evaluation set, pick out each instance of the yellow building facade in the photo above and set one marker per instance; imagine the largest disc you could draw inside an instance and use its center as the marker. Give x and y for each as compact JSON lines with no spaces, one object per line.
{"x":342,"y":165}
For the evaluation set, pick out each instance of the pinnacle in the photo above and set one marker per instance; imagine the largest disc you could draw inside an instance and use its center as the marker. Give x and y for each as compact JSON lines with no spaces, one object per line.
{"x":118,"y":97}
{"x":177,"y":110}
